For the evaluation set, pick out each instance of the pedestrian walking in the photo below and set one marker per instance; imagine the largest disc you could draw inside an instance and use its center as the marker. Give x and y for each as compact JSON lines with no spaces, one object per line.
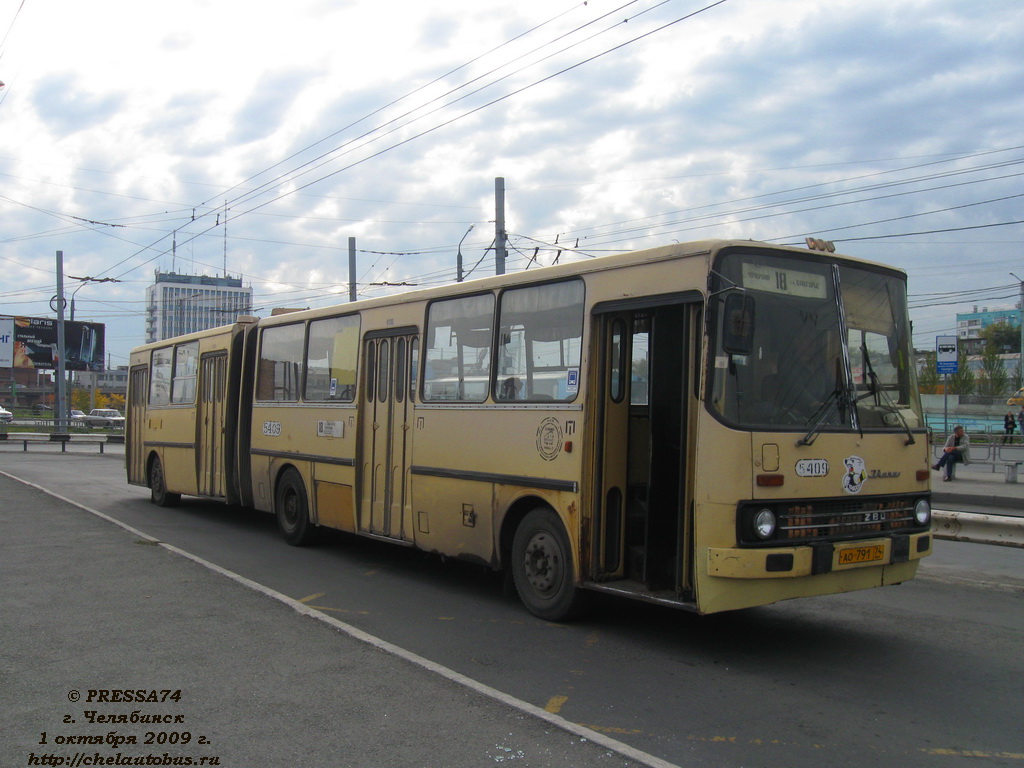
{"x":1009,"y":425}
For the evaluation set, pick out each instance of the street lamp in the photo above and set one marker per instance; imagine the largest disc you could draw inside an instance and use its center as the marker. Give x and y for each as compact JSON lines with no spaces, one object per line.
{"x":458,"y":271}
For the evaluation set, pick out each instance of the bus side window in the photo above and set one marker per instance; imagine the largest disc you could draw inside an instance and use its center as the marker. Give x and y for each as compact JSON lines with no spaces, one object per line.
{"x":160,"y":377}
{"x":280,"y":364}
{"x":457,"y":350}
{"x":540,"y":338}
{"x":331,"y":356}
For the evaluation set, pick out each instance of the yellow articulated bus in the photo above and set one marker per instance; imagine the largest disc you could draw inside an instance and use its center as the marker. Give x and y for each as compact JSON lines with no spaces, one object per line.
{"x":711,"y":426}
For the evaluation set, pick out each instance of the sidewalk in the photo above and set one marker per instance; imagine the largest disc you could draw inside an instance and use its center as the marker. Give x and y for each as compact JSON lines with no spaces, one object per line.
{"x":976,"y":485}
{"x":116,"y":648}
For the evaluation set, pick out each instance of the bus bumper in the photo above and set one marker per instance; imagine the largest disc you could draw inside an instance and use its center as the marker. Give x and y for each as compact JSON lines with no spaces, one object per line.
{"x":816,"y":558}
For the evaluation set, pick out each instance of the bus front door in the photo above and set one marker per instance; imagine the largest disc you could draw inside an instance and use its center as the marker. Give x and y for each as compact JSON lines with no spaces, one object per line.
{"x":642,"y":524}
{"x":390,"y":369}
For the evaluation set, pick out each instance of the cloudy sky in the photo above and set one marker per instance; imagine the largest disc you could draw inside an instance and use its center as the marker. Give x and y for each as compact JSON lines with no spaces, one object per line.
{"x":263,"y":141}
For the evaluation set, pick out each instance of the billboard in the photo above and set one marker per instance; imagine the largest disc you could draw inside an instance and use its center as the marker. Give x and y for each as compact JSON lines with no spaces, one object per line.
{"x":31,"y":342}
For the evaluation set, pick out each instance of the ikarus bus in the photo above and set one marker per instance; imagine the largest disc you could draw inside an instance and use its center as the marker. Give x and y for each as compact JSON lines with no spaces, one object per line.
{"x":709,"y":426}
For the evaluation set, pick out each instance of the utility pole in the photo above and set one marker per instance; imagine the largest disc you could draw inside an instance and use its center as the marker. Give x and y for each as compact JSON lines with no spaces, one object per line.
{"x":499,"y":225}
{"x":1020,"y":360}
{"x":351,"y":269}
{"x":60,"y":412}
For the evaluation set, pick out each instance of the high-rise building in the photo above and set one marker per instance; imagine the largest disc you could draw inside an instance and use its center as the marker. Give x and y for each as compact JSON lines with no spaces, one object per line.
{"x":177,"y":304}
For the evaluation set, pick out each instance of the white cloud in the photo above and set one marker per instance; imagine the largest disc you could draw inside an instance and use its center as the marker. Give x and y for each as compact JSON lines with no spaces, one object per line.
{"x":138,"y":114}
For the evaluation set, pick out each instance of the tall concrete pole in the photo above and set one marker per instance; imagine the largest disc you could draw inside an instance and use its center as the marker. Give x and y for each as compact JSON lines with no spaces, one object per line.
{"x":499,"y":226}
{"x":60,"y":412}
{"x":351,"y":269}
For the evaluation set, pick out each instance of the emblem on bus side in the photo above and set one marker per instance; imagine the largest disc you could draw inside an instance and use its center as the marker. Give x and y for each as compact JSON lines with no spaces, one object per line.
{"x":855,"y":475}
{"x":549,"y":438}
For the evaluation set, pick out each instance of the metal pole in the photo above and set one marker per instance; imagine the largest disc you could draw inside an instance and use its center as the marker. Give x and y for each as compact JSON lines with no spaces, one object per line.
{"x":458,"y":260}
{"x":499,"y":226}
{"x":351,"y":269}
{"x":1020,"y":359}
{"x":945,"y":404}
{"x":60,"y":412}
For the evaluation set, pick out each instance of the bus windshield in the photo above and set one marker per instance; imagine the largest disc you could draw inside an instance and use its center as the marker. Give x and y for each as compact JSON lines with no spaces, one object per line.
{"x":824,"y":346}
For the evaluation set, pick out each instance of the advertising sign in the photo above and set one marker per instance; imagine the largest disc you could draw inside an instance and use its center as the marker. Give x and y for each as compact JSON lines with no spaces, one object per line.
{"x":31,"y":342}
{"x":6,"y":342}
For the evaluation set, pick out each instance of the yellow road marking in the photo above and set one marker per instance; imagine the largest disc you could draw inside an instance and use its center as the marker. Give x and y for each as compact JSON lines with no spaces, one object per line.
{"x":611,"y":729}
{"x":314,"y":596}
{"x":338,"y":610}
{"x":973,"y":753}
{"x":554,"y":705}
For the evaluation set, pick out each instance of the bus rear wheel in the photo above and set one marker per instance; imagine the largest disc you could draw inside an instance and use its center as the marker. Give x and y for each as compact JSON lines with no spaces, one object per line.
{"x":542,"y":567}
{"x":158,"y":493}
{"x":291,"y":507}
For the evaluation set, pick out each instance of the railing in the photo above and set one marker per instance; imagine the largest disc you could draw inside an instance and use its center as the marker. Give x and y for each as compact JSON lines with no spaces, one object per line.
{"x":992,"y":452}
{"x":27,"y":438}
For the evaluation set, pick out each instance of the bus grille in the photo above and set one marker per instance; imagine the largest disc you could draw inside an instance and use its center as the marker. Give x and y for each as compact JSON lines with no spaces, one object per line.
{"x":836,"y":519}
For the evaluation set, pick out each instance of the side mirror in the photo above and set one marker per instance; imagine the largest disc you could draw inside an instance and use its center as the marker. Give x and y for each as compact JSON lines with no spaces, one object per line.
{"x":738,"y":324}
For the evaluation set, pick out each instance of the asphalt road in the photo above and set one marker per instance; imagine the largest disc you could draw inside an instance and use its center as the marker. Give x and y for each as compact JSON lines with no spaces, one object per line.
{"x":924,"y":674}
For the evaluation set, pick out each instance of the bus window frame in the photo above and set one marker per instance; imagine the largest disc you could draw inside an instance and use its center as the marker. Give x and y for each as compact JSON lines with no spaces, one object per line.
{"x":498,"y":376}
{"x":429,"y":329}
{"x":298,"y":387}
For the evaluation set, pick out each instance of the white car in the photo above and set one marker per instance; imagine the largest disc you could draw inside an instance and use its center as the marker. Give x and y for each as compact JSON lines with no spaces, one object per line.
{"x":103,"y":417}
{"x":6,"y":417}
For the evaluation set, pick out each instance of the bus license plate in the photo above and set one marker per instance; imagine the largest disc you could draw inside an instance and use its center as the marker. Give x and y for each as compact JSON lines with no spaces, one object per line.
{"x":855,"y":555}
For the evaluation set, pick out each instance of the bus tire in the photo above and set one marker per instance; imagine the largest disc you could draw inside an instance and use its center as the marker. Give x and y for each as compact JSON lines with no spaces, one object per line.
{"x":291,"y":508}
{"x":158,"y":493}
{"x":542,"y":567}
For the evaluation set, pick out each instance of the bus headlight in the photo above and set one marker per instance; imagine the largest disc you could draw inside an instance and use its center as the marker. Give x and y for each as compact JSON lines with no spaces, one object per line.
{"x":923,"y":512}
{"x":764,"y":524}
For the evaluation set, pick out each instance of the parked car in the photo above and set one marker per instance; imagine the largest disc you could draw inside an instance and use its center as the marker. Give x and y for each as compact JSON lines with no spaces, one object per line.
{"x":6,"y":417}
{"x":103,"y":417}
{"x":41,"y":409}
{"x":77,"y":415}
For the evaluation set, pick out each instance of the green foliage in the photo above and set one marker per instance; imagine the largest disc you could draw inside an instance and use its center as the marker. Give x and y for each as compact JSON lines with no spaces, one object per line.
{"x":993,"y":380}
{"x":928,"y":379}
{"x":962,"y":382}
{"x":1001,"y":337}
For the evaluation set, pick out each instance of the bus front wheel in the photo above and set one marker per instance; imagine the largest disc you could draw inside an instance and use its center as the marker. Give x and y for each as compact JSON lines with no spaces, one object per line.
{"x":158,"y":493}
{"x":542,"y":567}
{"x":291,"y":508}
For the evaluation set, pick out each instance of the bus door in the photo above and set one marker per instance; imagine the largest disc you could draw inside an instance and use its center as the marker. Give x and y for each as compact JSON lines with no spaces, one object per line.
{"x":210,"y":424}
{"x":135,"y":449}
{"x":642,"y":522}
{"x":389,"y":360}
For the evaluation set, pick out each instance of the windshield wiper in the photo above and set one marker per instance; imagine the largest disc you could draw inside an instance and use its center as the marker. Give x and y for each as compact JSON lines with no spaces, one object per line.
{"x":841,"y":399}
{"x":882,"y":397}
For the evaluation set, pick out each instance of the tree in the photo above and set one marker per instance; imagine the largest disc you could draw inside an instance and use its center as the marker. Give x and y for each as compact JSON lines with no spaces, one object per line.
{"x":962,"y":382}
{"x":993,"y":380}
{"x":1001,"y":336}
{"x":928,"y":381}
